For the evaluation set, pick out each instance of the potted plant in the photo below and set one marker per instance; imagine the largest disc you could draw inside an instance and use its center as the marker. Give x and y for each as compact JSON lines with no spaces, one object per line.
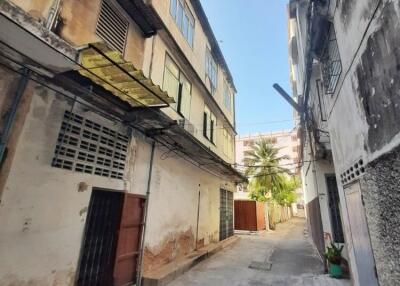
{"x":334,"y":256}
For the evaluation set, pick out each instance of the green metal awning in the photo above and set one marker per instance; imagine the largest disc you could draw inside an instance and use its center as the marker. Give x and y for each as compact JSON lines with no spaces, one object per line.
{"x":107,"y":68}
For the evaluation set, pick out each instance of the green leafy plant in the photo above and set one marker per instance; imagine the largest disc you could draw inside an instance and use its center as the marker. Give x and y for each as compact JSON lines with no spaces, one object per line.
{"x":266,"y":176}
{"x":334,"y":254}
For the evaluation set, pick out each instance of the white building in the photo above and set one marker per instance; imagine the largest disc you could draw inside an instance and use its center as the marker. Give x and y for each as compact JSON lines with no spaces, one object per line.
{"x":344,"y":58}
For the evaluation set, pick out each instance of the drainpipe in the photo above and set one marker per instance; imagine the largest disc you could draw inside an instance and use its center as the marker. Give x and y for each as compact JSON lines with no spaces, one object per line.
{"x":5,"y":135}
{"x":53,"y":13}
{"x":198,"y":217}
{"x":143,"y":234}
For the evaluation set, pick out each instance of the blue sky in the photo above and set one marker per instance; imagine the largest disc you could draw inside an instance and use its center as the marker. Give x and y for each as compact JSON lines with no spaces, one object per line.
{"x":253,"y":38}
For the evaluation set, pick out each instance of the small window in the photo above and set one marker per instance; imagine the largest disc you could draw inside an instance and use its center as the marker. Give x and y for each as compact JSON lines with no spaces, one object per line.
{"x":112,"y":27}
{"x":209,"y":124}
{"x":294,"y":138}
{"x":211,"y":72}
{"x":321,"y":99}
{"x":331,"y":63}
{"x":179,"y":10}
{"x":178,"y":87}
{"x":227,"y":97}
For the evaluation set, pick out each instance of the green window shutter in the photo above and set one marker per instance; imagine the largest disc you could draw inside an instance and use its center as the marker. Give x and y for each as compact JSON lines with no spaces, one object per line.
{"x":205,"y":124}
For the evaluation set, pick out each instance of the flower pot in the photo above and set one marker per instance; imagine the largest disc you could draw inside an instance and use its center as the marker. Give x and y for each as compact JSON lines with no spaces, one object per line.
{"x":335,"y":270}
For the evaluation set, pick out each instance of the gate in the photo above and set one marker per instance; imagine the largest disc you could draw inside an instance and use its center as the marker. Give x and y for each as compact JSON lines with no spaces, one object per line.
{"x":111,"y":241}
{"x":226,"y":214}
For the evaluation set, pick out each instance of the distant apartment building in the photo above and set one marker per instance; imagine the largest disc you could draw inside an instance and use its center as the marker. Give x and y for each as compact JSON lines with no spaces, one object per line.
{"x":117,"y":128}
{"x":286,"y":141}
{"x":288,"y":144}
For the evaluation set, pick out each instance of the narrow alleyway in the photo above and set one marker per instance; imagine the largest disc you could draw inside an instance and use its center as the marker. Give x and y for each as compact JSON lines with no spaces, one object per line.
{"x":292,"y":258}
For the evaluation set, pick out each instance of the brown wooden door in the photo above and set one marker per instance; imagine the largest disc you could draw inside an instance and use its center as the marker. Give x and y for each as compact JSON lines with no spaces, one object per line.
{"x":129,"y":240}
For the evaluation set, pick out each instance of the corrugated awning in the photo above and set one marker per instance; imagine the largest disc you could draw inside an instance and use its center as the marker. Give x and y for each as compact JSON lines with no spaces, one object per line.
{"x":107,"y":68}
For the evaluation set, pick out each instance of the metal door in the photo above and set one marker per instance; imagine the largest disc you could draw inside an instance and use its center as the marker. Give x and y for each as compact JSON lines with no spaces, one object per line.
{"x":360,"y":237}
{"x":100,"y":239}
{"x":226,"y":214}
{"x":129,"y":240}
{"x":334,"y":202}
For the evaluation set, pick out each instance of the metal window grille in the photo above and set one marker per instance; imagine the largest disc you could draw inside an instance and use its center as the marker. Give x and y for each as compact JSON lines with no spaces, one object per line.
{"x":88,"y":147}
{"x":112,"y":27}
{"x":331,"y":63}
{"x":334,"y":201}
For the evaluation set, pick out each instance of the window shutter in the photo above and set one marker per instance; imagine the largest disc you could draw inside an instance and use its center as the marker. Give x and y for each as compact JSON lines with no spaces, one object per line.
{"x":205,"y":124}
{"x":212,"y":131}
{"x":112,"y":27}
{"x":179,"y":107}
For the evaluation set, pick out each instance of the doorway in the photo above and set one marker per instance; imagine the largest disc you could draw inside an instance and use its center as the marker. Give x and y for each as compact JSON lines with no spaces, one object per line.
{"x":225,"y":214}
{"x":111,"y":242}
{"x":365,"y":263}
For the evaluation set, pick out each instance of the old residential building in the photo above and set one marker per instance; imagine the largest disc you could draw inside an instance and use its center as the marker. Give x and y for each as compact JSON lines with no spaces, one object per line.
{"x":117,"y":125}
{"x":345,"y":55}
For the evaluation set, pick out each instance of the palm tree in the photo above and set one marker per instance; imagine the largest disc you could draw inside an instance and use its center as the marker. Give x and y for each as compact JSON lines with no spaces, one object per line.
{"x":262,"y":168}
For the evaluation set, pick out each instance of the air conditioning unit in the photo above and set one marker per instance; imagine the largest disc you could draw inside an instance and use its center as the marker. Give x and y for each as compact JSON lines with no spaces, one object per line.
{"x":189,"y":127}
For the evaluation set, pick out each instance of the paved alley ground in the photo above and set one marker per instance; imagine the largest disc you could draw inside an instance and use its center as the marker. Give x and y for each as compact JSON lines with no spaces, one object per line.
{"x":293,"y":261}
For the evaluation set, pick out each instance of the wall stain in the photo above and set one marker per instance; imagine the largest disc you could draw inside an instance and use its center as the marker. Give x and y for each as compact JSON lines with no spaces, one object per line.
{"x":176,"y":245}
{"x":82,"y":186}
{"x":378,"y":77}
{"x":83,"y":211}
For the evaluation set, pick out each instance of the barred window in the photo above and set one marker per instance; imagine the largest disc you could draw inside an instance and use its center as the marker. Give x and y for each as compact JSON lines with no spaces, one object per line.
{"x":88,"y":147}
{"x":331,"y":63}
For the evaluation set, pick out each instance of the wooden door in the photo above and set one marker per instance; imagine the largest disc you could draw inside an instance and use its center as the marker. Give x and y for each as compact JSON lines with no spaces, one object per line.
{"x":364,"y":258}
{"x":128,"y":246}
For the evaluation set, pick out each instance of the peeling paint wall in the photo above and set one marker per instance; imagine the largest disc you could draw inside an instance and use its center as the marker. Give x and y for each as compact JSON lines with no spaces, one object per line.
{"x":78,"y":24}
{"x":43,"y":209}
{"x":363,"y":121}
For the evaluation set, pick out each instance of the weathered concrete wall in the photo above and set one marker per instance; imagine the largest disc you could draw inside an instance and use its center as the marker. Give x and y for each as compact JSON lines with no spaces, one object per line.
{"x":78,"y":24}
{"x":196,"y":54}
{"x":380,"y":190}
{"x":364,"y":121}
{"x":161,"y":49}
{"x":43,"y":209}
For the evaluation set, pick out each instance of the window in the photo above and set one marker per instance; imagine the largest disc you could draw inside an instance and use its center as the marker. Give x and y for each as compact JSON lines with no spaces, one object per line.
{"x":179,"y":10}
{"x":294,"y":137}
{"x":88,"y":147}
{"x":112,"y":27}
{"x":321,"y":99}
{"x":209,"y":123}
{"x":211,"y":71}
{"x":227,"y":143}
{"x":273,"y":140}
{"x":227,"y":97}
{"x":331,"y":63}
{"x":177,"y":86}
